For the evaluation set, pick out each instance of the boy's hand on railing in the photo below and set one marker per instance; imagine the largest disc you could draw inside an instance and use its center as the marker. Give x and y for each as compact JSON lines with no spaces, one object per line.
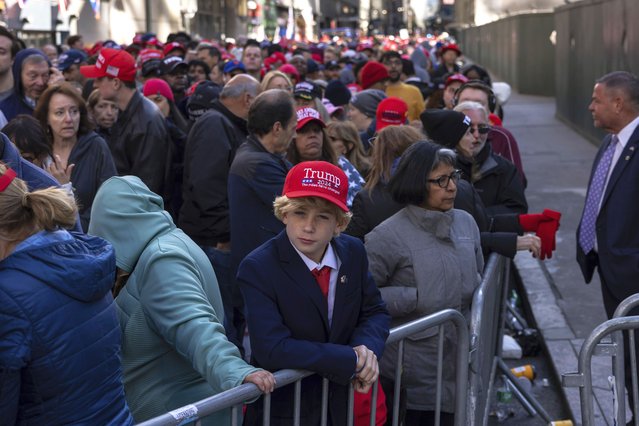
{"x":367,"y":369}
{"x":264,"y":380}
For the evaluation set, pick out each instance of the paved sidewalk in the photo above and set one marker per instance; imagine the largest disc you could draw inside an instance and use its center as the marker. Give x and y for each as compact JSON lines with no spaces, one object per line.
{"x":557,"y":162}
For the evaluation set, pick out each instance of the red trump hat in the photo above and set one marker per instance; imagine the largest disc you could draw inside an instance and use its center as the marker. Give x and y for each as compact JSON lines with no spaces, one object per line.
{"x":317,"y":179}
{"x":113,"y":63}
{"x":390,"y":112}
{"x":306,"y":115}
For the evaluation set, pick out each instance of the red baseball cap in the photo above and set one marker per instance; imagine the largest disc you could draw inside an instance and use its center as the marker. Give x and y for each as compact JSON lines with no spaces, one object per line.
{"x":456,"y":77}
{"x":317,"y":179}
{"x":390,"y":112}
{"x":113,"y":63}
{"x":147,"y":54}
{"x":174,"y":45}
{"x":451,"y":46}
{"x":306,"y":115}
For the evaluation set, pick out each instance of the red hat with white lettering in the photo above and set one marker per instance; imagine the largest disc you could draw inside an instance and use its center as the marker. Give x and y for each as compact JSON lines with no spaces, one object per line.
{"x":317,"y":179}
{"x":390,"y":112}
{"x":114,"y":63}
{"x":306,"y":115}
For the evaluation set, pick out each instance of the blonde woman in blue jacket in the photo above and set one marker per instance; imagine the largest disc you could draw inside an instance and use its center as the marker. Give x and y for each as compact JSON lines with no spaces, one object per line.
{"x":174,"y":348}
{"x":59,"y":335}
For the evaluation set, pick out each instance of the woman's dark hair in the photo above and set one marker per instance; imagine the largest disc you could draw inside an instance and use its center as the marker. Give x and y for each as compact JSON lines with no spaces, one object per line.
{"x":408,"y":67}
{"x":357,"y":68}
{"x":29,"y":136}
{"x":328,"y":153}
{"x":204,"y":65}
{"x":42,"y":108}
{"x":481,"y":72}
{"x":176,"y":116}
{"x":268,"y":108}
{"x":15,"y":46}
{"x":409,"y":184}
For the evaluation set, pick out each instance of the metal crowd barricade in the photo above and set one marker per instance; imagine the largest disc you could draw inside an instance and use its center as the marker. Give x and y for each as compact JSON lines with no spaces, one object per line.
{"x":487,"y":325}
{"x":615,"y":348}
{"x":234,"y":398}
{"x":485,"y":339}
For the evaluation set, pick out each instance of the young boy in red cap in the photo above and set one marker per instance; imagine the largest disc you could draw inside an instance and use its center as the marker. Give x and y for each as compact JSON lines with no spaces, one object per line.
{"x":311,"y":302}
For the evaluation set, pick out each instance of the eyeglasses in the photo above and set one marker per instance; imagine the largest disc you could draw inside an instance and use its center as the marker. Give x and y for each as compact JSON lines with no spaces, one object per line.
{"x":481,"y":128}
{"x":444,"y":181}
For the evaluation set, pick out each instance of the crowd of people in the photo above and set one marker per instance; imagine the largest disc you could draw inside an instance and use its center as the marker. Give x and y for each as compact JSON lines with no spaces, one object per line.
{"x":160,"y":202}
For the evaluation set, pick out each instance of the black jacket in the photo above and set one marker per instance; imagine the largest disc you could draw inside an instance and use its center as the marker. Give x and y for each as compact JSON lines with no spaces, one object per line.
{"x":210,"y":150}
{"x":93,"y":165}
{"x":141,"y":146}
{"x":498,"y":233}
{"x":498,"y":182}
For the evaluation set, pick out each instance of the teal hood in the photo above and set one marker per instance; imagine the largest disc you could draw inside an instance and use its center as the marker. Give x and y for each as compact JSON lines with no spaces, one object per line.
{"x":128,"y":215}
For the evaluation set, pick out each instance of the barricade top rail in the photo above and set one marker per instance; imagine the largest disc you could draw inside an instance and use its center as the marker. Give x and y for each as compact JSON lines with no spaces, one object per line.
{"x":583,"y":378}
{"x":626,"y":305}
{"x":599,"y":332}
{"x":249,"y":391}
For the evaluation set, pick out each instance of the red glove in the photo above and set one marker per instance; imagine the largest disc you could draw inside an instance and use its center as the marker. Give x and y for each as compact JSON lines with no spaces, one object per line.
{"x":547,"y":231}
{"x":530,"y":222}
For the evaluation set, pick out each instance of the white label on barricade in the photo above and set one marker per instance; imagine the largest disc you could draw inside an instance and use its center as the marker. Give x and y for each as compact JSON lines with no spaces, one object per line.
{"x":186,"y":412}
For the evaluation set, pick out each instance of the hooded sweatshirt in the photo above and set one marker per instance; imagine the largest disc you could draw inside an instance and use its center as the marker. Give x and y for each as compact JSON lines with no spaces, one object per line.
{"x":60,"y":340}
{"x":174,"y":348}
{"x":16,"y":103}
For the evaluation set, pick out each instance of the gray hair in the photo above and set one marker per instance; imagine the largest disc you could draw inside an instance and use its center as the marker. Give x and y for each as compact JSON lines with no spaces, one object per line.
{"x":444,"y":156}
{"x":471,"y":106}
{"x":35,"y":58}
{"x":625,"y":83}
{"x":237,"y":87}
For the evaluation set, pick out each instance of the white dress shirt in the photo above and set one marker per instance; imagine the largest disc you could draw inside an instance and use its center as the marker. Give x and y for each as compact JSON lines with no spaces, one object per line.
{"x":331,"y":260}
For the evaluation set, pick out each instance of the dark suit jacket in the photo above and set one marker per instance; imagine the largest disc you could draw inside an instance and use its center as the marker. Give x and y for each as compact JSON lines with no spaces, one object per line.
{"x":288,"y":324}
{"x":617,"y":225}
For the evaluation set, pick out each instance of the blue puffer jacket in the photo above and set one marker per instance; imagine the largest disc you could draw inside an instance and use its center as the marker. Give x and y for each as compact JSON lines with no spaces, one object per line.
{"x":59,"y":336}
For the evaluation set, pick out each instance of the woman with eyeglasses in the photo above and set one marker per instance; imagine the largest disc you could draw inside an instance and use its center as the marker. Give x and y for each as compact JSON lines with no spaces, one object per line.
{"x":500,"y":232}
{"x":496,"y":179}
{"x":425,"y":258}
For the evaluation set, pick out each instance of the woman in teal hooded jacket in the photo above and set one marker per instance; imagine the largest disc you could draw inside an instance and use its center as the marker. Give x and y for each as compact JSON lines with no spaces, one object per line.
{"x":174,"y":348}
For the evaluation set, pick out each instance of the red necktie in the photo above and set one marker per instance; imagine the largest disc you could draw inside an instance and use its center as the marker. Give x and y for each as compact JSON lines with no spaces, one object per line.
{"x":322,"y":276}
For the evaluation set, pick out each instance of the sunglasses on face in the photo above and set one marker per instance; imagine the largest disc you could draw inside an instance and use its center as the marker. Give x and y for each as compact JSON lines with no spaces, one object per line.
{"x":482,"y":129}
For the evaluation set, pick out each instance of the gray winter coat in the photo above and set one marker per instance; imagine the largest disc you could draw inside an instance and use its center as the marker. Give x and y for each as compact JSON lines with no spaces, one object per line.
{"x":425,"y":261}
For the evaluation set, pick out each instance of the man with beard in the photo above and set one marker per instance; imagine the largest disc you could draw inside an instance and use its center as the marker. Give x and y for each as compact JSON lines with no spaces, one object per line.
{"x":392,"y":60}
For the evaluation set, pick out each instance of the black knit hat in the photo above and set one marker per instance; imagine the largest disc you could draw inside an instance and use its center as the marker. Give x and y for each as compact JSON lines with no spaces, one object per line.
{"x":202,"y":99}
{"x":337,"y":93}
{"x":445,"y":127}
